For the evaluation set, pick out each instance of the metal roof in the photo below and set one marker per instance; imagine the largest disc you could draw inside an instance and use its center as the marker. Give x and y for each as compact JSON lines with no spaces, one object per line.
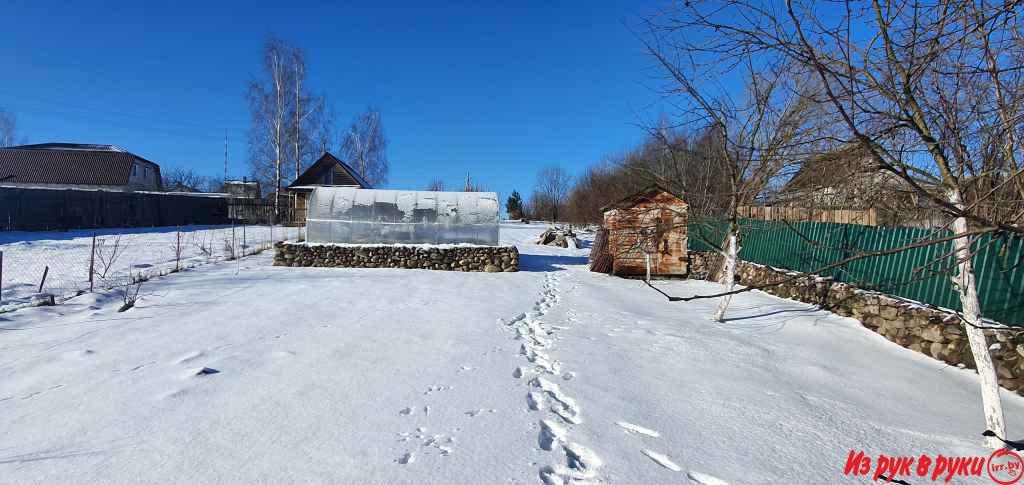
{"x":67,"y":163}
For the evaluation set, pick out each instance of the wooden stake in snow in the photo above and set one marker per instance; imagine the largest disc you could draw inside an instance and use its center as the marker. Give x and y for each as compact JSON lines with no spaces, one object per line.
{"x":965,"y":284}
{"x":732,"y":252}
{"x":1,"y":274}
{"x":92,"y":261}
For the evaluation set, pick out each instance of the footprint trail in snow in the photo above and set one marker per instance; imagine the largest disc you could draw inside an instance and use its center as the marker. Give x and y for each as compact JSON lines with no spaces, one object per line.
{"x":581,"y":464}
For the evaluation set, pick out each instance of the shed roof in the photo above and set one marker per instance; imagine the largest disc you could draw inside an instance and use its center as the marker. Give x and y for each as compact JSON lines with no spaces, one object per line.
{"x":69,"y":163}
{"x":645,"y":193}
{"x":326,"y":161}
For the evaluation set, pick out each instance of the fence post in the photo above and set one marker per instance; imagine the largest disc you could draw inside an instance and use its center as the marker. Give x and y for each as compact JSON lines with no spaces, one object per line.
{"x":1,"y":275}
{"x":177,"y":250}
{"x":45,"y":272}
{"x":243,"y":237}
{"x":92,"y":261}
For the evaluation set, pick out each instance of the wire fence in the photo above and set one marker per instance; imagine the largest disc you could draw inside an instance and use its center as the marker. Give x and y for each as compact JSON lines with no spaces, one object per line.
{"x":922,"y":274}
{"x":69,"y":263}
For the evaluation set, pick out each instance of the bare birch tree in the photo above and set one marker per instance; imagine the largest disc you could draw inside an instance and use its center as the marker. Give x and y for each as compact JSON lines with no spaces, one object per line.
{"x":925,"y":89}
{"x":8,"y":129}
{"x":269,"y":106}
{"x":364,"y":146}
{"x":309,"y":132}
{"x":289,"y":124}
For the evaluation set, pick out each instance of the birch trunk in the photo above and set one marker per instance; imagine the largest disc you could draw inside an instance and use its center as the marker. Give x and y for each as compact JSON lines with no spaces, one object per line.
{"x":647,"y":265}
{"x":965,"y":284}
{"x":298,"y":121}
{"x":732,"y":252}
{"x":278,"y":139}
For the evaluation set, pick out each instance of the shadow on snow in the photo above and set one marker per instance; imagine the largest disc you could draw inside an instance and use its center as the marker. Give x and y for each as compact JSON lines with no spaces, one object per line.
{"x":545,"y":262}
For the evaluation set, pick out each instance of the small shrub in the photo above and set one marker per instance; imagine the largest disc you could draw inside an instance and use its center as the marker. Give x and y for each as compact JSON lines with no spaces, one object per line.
{"x":130,"y":290}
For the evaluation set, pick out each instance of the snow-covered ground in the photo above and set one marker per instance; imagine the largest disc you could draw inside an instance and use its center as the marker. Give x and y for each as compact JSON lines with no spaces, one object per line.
{"x":250,"y":373}
{"x":67,"y":254}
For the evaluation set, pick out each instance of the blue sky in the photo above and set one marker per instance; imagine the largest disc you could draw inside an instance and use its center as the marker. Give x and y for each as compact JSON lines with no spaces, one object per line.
{"x":497,"y":91}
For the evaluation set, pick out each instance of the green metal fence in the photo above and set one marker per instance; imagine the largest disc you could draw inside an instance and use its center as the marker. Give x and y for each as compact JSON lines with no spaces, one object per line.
{"x":921,"y":274}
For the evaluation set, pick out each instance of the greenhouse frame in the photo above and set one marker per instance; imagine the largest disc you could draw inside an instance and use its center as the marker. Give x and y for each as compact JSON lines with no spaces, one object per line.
{"x":350,"y":215}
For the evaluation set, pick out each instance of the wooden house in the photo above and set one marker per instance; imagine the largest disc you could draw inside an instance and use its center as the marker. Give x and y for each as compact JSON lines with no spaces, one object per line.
{"x":649,"y":225}
{"x":328,"y":171}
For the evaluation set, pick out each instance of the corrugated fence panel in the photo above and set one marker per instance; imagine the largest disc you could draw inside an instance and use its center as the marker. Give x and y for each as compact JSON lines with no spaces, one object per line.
{"x":922,"y":274}
{"x":28,"y":209}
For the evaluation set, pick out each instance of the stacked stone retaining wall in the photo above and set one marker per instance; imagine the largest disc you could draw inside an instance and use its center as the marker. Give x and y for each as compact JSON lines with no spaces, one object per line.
{"x":931,"y":331}
{"x":492,"y":259}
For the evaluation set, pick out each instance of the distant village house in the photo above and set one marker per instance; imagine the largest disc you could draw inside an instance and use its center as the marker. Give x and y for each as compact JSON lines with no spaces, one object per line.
{"x":245,"y":189}
{"x":77,"y":166}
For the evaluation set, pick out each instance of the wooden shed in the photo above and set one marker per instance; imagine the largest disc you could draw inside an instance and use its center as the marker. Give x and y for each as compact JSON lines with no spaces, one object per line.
{"x":328,"y":171}
{"x":650,"y":224}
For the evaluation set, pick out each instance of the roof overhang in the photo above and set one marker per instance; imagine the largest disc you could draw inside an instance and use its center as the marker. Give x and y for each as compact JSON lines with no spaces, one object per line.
{"x":623,"y":202}
{"x":309,"y":188}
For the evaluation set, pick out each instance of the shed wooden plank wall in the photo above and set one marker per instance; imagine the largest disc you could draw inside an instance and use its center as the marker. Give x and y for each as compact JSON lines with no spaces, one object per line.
{"x":654,"y":224}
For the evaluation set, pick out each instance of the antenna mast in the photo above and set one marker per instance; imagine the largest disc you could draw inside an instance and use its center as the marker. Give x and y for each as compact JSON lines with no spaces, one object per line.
{"x":225,"y":155}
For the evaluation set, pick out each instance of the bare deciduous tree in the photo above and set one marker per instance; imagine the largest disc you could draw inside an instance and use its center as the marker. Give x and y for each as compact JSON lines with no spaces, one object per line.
{"x":309,"y":133}
{"x":551,"y":191}
{"x":470,"y":185}
{"x":929,"y":90}
{"x":757,"y":134}
{"x":180,"y":179}
{"x":108,"y":255}
{"x":436,"y":185}
{"x":364,"y":147}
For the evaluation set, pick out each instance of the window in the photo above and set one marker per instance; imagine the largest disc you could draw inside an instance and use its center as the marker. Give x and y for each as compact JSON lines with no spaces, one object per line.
{"x":135,"y":170}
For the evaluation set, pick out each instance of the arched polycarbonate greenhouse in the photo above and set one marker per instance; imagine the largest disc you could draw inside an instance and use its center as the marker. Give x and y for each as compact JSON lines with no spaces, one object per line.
{"x":365,"y":216}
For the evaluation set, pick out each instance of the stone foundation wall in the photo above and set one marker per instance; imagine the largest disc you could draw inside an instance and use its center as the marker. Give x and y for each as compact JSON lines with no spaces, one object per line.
{"x":930,"y":331}
{"x":492,"y":259}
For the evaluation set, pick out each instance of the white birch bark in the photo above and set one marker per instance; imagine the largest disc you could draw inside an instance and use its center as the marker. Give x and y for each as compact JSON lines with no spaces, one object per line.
{"x":647,"y":264}
{"x":278,"y":141}
{"x":965,"y":282}
{"x":732,"y":252}
{"x":298,"y":121}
